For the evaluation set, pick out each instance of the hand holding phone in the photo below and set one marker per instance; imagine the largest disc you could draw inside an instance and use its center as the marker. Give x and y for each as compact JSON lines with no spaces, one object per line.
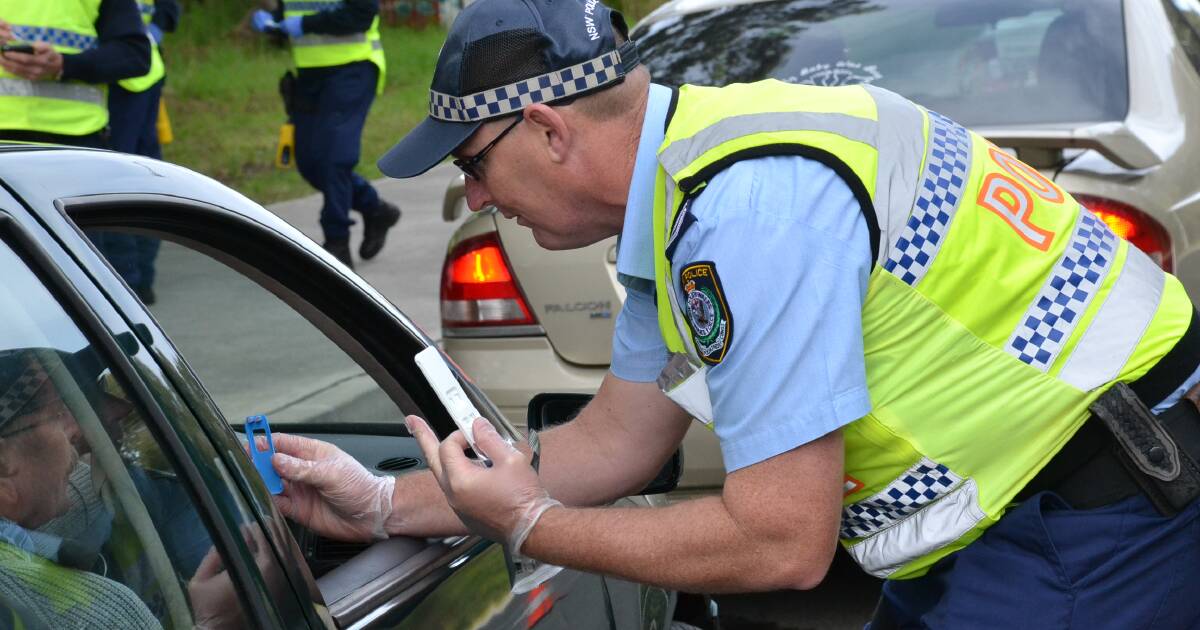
{"x":17,"y":47}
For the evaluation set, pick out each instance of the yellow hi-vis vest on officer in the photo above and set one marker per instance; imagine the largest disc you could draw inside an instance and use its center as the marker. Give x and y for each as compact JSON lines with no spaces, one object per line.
{"x":319,"y":51}
{"x":998,"y":309}
{"x":157,"y":70}
{"x":64,"y":107}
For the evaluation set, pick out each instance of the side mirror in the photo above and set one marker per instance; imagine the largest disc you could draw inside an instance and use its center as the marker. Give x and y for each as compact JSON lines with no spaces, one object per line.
{"x":548,"y":410}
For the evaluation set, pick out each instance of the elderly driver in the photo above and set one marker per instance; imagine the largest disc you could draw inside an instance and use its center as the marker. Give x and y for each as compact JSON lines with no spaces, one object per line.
{"x":39,"y":448}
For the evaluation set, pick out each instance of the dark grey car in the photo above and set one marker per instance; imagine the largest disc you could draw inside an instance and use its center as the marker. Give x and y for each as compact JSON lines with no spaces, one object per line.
{"x":126,"y":498}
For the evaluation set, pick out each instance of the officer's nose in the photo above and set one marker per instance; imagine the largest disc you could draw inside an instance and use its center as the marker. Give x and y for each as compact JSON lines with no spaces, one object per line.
{"x":478,"y":196}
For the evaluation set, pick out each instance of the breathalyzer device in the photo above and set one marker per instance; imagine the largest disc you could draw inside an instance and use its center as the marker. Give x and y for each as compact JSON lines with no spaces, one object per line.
{"x":257,"y":425}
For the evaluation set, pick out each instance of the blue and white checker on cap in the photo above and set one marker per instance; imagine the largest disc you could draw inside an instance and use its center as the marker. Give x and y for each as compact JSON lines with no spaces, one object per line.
{"x":53,"y":36}
{"x":501,"y":56}
{"x":514,"y":97}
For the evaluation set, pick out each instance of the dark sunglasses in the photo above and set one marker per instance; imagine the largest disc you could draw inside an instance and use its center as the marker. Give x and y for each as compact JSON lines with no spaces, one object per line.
{"x":473,"y":166}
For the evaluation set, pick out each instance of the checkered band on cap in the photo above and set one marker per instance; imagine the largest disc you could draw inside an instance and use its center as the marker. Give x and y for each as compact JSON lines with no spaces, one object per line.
{"x":947,"y":162}
{"x":917,"y":487}
{"x":53,"y":36}
{"x":22,"y":390}
{"x":1058,"y":308}
{"x":511,"y":98}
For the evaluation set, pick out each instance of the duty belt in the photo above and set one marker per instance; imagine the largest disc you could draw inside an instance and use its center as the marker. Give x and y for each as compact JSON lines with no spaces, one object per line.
{"x":1122,"y":449}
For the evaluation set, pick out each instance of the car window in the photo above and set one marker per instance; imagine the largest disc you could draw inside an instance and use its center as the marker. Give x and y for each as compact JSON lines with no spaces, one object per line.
{"x":980,"y":62}
{"x":1185,"y":18}
{"x":253,"y":351}
{"x":97,"y":528}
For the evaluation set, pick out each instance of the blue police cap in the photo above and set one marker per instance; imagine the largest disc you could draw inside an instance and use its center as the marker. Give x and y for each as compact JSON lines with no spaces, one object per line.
{"x":502,"y":55}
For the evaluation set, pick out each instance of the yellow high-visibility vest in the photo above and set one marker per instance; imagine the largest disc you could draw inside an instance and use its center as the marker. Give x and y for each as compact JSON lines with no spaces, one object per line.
{"x":997,"y":311}
{"x":70,"y":108}
{"x":318,"y":51}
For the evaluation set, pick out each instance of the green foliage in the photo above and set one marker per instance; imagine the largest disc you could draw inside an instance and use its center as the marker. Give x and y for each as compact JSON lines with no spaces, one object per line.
{"x":223,"y":100}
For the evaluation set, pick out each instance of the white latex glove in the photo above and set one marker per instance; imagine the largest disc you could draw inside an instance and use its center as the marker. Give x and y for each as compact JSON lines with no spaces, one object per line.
{"x":501,"y":502}
{"x":329,"y":492}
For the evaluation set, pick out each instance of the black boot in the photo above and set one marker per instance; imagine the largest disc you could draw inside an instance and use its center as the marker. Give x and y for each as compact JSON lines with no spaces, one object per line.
{"x":375,"y":229}
{"x":340,"y":248}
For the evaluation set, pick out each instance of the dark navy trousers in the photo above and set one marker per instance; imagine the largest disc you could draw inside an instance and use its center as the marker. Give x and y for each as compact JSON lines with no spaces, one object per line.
{"x":1045,"y":565}
{"x":329,"y":111}
{"x":133,"y":128}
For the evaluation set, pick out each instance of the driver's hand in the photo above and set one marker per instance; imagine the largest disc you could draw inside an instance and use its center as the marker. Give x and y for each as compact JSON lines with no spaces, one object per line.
{"x":329,"y":492}
{"x":502,"y":501}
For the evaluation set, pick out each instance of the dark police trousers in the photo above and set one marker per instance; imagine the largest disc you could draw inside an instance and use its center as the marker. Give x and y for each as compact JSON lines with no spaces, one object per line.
{"x":329,"y":111}
{"x":133,"y":128}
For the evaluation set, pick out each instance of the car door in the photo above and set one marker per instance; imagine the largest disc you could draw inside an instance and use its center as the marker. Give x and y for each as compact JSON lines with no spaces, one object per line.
{"x":117,"y":509}
{"x":271,"y":325}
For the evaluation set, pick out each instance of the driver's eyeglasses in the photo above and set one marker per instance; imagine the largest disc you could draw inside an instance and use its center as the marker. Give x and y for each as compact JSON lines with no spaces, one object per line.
{"x":473,"y":166}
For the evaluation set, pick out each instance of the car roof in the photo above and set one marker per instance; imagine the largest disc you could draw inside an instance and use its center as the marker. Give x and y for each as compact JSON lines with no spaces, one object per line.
{"x":42,"y":173}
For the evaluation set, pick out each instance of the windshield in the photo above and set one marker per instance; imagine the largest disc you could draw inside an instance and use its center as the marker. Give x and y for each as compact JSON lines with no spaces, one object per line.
{"x":981,"y":62}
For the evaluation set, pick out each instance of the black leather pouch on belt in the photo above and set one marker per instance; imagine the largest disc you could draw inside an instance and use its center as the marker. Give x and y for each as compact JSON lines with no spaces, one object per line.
{"x":1159,"y":452}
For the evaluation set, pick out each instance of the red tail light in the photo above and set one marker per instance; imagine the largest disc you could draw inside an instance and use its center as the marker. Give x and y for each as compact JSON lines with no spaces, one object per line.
{"x":478,"y":288}
{"x":1134,"y":226}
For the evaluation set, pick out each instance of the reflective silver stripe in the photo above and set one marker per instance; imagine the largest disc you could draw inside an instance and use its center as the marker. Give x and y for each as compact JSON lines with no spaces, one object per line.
{"x":679,"y":154}
{"x":1110,"y":339}
{"x":78,"y":92}
{"x":329,"y":40}
{"x":901,"y":146}
{"x":916,"y":488}
{"x":947,"y":165}
{"x":937,"y":526}
{"x":1059,"y":306}
{"x":377,"y":44}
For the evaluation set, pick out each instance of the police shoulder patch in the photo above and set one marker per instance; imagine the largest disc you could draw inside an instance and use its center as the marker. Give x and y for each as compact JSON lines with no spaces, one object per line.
{"x":707,"y":312}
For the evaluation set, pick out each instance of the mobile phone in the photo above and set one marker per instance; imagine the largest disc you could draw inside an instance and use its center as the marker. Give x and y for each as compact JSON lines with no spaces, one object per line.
{"x":21,"y":48}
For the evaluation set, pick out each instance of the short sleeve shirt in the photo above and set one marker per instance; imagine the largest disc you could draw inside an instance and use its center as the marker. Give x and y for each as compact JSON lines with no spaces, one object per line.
{"x":792,"y":257}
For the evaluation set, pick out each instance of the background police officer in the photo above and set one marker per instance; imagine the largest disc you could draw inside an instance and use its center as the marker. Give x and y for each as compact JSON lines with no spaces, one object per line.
{"x":57,"y":93}
{"x":133,"y":106}
{"x":340,"y":67}
{"x":896,"y":330}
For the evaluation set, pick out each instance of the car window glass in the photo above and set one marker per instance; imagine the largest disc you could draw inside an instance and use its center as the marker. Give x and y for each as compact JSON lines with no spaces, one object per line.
{"x":254,"y":352}
{"x":97,"y":529}
{"x":980,"y":62}
{"x":1185,"y":18}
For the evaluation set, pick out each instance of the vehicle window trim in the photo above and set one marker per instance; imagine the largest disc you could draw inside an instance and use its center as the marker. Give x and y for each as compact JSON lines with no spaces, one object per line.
{"x":12,"y":233}
{"x":100,"y":211}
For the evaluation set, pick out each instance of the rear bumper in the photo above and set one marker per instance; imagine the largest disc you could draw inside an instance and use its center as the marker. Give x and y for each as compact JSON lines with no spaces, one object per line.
{"x":513,"y":370}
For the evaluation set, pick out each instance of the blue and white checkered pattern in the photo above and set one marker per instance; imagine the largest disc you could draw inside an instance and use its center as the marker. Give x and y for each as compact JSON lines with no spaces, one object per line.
{"x":917,"y":487}
{"x":22,"y":390}
{"x":53,"y":36}
{"x":320,"y":5}
{"x":514,"y":97}
{"x":946,"y":166}
{"x":1059,"y":306}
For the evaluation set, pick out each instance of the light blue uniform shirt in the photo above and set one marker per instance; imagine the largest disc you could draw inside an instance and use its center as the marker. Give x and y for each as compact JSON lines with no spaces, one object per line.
{"x":792,"y":251}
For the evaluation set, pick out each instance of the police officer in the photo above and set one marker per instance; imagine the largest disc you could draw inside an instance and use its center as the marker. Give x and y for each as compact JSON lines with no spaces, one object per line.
{"x":133,"y":118}
{"x":340,"y":67}
{"x":57,"y":93}
{"x":904,"y":338}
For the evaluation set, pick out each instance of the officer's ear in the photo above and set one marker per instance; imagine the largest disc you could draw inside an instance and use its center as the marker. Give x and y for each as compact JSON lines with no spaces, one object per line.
{"x":553,"y":134}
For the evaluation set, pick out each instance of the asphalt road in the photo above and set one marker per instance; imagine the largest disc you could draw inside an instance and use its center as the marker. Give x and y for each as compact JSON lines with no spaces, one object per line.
{"x":408,"y":272}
